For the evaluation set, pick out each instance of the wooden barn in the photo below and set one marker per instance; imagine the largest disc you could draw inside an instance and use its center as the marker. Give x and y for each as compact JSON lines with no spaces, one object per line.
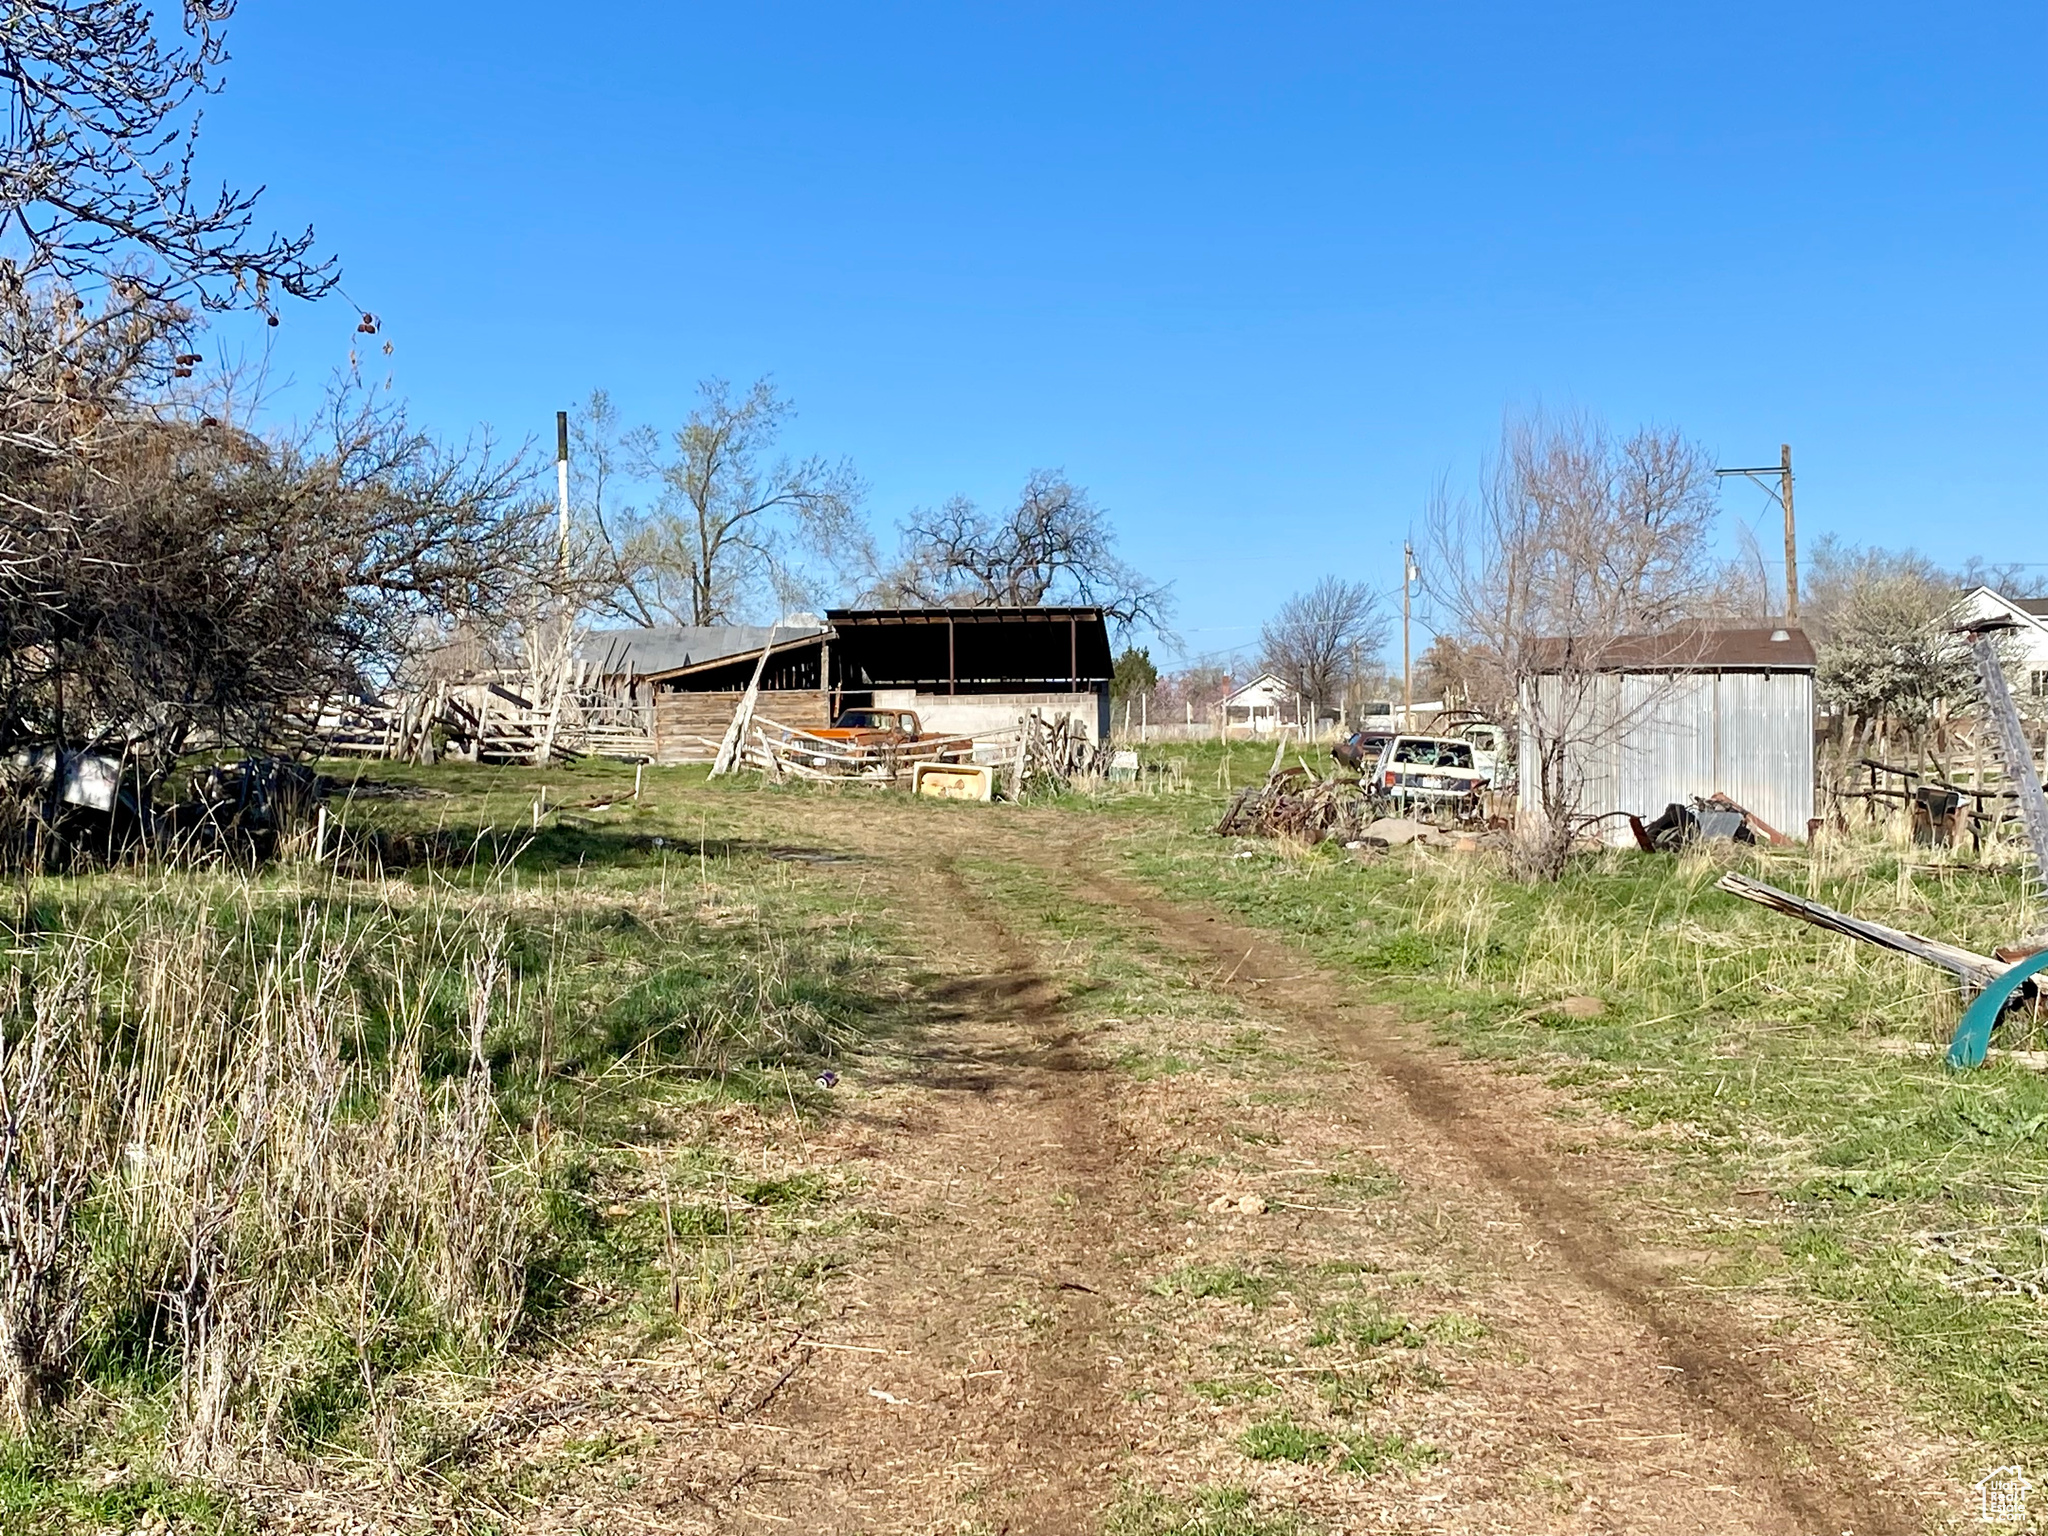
{"x":963,"y":670}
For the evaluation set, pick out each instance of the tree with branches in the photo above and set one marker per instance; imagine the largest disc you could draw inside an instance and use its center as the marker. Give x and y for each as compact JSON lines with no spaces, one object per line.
{"x":99,"y":192}
{"x":1054,"y":546}
{"x":734,"y":524}
{"x":165,"y":568}
{"x":1891,"y":665}
{"x":1576,"y":539}
{"x":1324,"y":638}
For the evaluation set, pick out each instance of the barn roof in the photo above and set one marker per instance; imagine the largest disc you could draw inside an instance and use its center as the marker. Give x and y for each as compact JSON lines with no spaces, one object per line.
{"x":1686,"y":648}
{"x":982,"y":647}
{"x":664,"y":648}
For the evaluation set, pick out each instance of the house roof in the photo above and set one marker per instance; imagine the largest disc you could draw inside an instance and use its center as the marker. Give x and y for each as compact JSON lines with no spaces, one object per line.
{"x":1262,"y":678}
{"x":665,"y":648}
{"x":2028,"y":610}
{"x":1687,"y":648}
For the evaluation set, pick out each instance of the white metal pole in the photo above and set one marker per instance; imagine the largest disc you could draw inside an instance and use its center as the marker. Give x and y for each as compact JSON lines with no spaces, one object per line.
{"x":562,"y":479}
{"x":1407,"y":676}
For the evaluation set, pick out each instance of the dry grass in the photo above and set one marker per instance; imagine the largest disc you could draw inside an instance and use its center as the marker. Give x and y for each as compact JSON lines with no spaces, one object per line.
{"x":299,"y":1161}
{"x":223,"y":1172}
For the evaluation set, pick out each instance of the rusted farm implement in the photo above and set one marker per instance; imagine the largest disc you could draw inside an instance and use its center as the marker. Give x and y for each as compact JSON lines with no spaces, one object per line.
{"x":2010,"y":973}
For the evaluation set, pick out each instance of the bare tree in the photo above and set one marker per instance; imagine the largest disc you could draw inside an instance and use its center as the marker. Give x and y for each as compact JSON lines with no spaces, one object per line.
{"x":1461,"y":674}
{"x":99,"y":197}
{"x":1576,"y":539}
{"x":1884,"y":620}
{"x":192,"y":574}
{"x":1055,"y":546}
{"x":602,"y":457}
{"x":734,"y":526}
{"x":1322,"y":638}
{"x":165,"y":568}
{"x":1192,"y":692}
{"x":98,"y":164}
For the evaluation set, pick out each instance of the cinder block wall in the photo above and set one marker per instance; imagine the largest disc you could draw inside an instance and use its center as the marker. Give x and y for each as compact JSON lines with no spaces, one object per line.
{"x":974,"y":714}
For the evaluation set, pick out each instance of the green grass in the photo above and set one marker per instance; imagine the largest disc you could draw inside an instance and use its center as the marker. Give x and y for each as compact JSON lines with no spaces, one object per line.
{"x":1747,"y":1050}
{"x":1369,"y":1455}
{"x":1284,"y":1438}
{"x":1222,"y":1282}
{"x":41,"y":1492}
{"x":1238,"y":1389}
{"x":656,"y":962}
{"x":1210,"y":1512}
{"x":1363,"y":1324}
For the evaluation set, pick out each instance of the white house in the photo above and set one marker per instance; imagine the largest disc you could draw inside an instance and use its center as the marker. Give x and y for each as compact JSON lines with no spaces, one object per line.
{"x":1261,"y":707}
{"x":2030,"y":636}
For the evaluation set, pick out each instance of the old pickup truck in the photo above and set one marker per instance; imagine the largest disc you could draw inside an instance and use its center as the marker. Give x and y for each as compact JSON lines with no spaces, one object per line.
{"x":874,"y":728}
{"x":885,"y":739}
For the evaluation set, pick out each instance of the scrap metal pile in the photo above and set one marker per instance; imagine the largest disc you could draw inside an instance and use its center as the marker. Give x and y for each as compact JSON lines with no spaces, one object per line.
{"x":1704,"y":820}
{"x":69,"y":809}
{"x":1294,"y":803}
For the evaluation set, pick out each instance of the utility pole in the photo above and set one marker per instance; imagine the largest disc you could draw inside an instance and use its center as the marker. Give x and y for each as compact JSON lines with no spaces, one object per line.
{"x":1408,"y":574}
{"x":1791,"y":539}
{"x":1782,"y":472}
{"x":560,"y":642}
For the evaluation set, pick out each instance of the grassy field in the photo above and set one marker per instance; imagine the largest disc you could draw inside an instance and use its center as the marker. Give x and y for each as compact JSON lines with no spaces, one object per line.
{"x":317,"y":1153}
{"x":1750,"y":1052}
{"x":324,"y":1153}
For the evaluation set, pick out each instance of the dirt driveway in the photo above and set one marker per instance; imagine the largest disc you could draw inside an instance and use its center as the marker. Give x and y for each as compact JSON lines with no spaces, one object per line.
{"x":1164,"y":1228}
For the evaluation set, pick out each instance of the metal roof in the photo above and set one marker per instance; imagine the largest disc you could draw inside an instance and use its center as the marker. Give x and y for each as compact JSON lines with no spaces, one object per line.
{"x":847,"y":616}
{"x":672,"y":647}
{"x":1687,"y":648}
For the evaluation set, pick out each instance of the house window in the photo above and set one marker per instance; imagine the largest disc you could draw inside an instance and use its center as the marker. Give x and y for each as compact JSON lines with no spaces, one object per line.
{"x":2038,"y":684}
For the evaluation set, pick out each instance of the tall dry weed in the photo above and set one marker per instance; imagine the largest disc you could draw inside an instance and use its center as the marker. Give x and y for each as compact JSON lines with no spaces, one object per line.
{"x":54,"y":1148}
{"x":217,"y":1167}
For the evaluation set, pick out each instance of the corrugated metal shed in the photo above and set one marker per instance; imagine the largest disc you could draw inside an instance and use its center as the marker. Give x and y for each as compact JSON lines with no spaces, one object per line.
{"x":1661,"y":734}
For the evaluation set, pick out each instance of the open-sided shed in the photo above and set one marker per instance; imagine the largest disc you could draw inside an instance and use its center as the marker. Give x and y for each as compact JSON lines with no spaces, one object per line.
{"x":964,"y":670}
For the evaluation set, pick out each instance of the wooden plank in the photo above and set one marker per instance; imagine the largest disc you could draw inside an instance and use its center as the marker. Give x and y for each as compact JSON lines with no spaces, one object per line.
{"x":1975,"y":971}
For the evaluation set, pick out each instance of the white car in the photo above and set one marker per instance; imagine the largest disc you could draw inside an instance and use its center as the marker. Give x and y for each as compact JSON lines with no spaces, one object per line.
{"x":1429,"y":771}
{"x":1489,"y":748}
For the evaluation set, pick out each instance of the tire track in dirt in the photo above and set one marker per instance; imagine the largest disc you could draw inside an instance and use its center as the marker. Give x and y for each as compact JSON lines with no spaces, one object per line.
{"x":924,"y":1401}
{"x":1820,"y":1487}
{"x":967,"y":1376}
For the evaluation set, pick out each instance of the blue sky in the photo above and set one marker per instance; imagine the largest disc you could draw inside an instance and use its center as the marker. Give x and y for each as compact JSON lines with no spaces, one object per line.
{"x":1257,"y":276}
